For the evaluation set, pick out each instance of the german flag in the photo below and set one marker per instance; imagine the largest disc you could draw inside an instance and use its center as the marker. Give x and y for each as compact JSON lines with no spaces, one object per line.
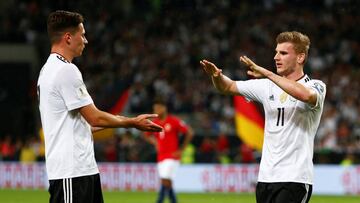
{"x":115,"y":102}
{"x":120,"y":103}
{"x":249,"y":122}
{"x":116,"y":109}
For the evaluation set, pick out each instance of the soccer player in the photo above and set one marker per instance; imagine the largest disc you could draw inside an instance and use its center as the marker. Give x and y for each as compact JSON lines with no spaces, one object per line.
{"x":167,"y":144}
{"x":69,"y":116}
{"x":293,"y":104}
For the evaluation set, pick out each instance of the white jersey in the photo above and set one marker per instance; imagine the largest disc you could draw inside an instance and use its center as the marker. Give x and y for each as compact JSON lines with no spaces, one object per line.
{"x":68,"y":139}
{"x":290,"y":128}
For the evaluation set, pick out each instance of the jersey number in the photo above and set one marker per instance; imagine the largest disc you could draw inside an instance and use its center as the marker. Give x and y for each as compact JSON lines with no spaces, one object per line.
{"x":280,"y":118}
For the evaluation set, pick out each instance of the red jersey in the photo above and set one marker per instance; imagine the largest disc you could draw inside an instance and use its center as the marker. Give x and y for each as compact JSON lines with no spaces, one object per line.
{"x":168,"y":139}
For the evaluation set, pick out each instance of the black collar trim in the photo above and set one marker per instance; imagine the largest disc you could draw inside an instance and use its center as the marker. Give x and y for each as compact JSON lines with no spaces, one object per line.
{"x":304,"y":77}
{"x":60,"y":57}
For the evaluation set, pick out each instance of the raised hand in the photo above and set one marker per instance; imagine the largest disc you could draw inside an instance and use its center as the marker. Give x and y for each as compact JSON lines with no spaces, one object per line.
{"x":210,"y":68}
{"x":143,"y":123}
{"x":254,"y":70}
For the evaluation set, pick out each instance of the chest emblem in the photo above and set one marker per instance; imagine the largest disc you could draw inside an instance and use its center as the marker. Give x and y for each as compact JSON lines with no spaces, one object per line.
{"x":167,"y":127}
{"x":271,"y":98}
{"x":283,"y":97}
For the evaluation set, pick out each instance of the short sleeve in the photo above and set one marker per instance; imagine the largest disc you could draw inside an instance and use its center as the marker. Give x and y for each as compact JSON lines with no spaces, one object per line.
{"x":72,"y":88}
{"x":254,"y":89}
{"x":320,"y":88}
{"x":183,"y":127}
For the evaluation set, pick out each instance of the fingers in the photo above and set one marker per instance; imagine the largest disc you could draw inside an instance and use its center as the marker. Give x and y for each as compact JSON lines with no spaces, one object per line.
{"x":208,"y":63}
{"x":202,"y":63}
{"x":143,"y":123}
{"x":210,"y":68}
{"x":250,"y":73}
{"x":246,"y":61}
{"x":154,"y":127}
{"x":149,"y":115}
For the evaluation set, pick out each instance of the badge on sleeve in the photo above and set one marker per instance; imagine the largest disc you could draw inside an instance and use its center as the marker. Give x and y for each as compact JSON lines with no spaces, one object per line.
{"x":318,"y":87}
{"x":82,"y":92}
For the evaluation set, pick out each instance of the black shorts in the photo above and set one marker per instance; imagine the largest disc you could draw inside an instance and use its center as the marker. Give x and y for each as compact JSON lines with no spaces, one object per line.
{"x":84,"y":189}
{"x":283,"y":192}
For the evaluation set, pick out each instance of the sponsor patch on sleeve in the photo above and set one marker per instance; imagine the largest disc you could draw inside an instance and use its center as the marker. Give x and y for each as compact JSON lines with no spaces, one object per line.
{"x":318,"y":87}
{"x":82,"y":92}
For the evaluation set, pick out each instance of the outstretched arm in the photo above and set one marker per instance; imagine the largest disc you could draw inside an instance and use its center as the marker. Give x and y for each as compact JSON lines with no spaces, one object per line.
{"x":100,"y":119}
{"x":293,"y":88}
{"x":220,"y":81}
{"x":188,"y":137}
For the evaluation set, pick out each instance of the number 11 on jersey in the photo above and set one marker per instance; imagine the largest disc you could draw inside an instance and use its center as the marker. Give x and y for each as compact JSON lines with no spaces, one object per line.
{"x":280,"y":118}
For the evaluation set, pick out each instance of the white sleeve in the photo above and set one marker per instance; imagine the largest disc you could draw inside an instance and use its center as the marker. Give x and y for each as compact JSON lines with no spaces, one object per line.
{"x":254,"y":89}
{"x":320,"y":88}
{"x":72,"y":88}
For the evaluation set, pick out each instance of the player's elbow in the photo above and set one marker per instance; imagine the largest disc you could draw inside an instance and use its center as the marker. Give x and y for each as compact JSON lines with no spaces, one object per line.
{"x":92,"y":115}
{"x":309,"y":97}
{"x":94,"y":121}
{"x":229,"y":88}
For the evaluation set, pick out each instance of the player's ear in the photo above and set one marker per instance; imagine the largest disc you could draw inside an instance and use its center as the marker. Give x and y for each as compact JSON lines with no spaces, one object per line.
{"x":300,"y":58}
{"x":67,"y":37}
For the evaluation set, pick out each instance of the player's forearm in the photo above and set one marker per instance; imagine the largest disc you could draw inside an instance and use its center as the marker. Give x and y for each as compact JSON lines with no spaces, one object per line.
{"x":223,"y":84}
{"x":101,"y":119}
{"x":107,"y":120}
{"x":188,"y":137}
{"x":293,"y":88}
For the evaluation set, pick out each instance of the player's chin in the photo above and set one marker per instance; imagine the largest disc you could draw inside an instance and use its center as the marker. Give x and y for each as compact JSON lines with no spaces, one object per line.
{"x":80,"y":52}
{"x":279,"y":70}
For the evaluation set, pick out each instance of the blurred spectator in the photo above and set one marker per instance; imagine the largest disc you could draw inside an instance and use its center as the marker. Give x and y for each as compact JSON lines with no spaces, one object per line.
{"x":110,"y":150}
{"x":348,"y":160}
{"x":222,"y":143}
{"x":126,"y":144}
{"x":207,"y":150}
{"x":245,"y":154}
{"x":188,"y":155}
{"x":27,"y":153}
{"x":7,"y":149}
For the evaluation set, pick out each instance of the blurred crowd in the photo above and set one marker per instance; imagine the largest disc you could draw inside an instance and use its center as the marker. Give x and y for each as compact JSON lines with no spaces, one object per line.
{"x":154,"y":48}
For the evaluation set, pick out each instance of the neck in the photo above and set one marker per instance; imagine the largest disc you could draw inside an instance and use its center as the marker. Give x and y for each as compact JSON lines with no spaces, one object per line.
{"x":62,"y":51}
{"x":163,"y":116}
{"x":295,"y":75}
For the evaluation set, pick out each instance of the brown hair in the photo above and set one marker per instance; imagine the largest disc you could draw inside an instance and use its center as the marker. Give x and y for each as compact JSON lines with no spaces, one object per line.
{"x":300,"y":41}
{"x":60,"y":22}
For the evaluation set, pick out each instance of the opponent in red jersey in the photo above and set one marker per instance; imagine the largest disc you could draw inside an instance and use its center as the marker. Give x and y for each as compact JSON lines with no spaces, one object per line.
{"x":168,"y":147}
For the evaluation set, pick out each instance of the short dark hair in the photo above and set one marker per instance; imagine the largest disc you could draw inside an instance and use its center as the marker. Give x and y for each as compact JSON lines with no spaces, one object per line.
{"x":60,"y":22}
